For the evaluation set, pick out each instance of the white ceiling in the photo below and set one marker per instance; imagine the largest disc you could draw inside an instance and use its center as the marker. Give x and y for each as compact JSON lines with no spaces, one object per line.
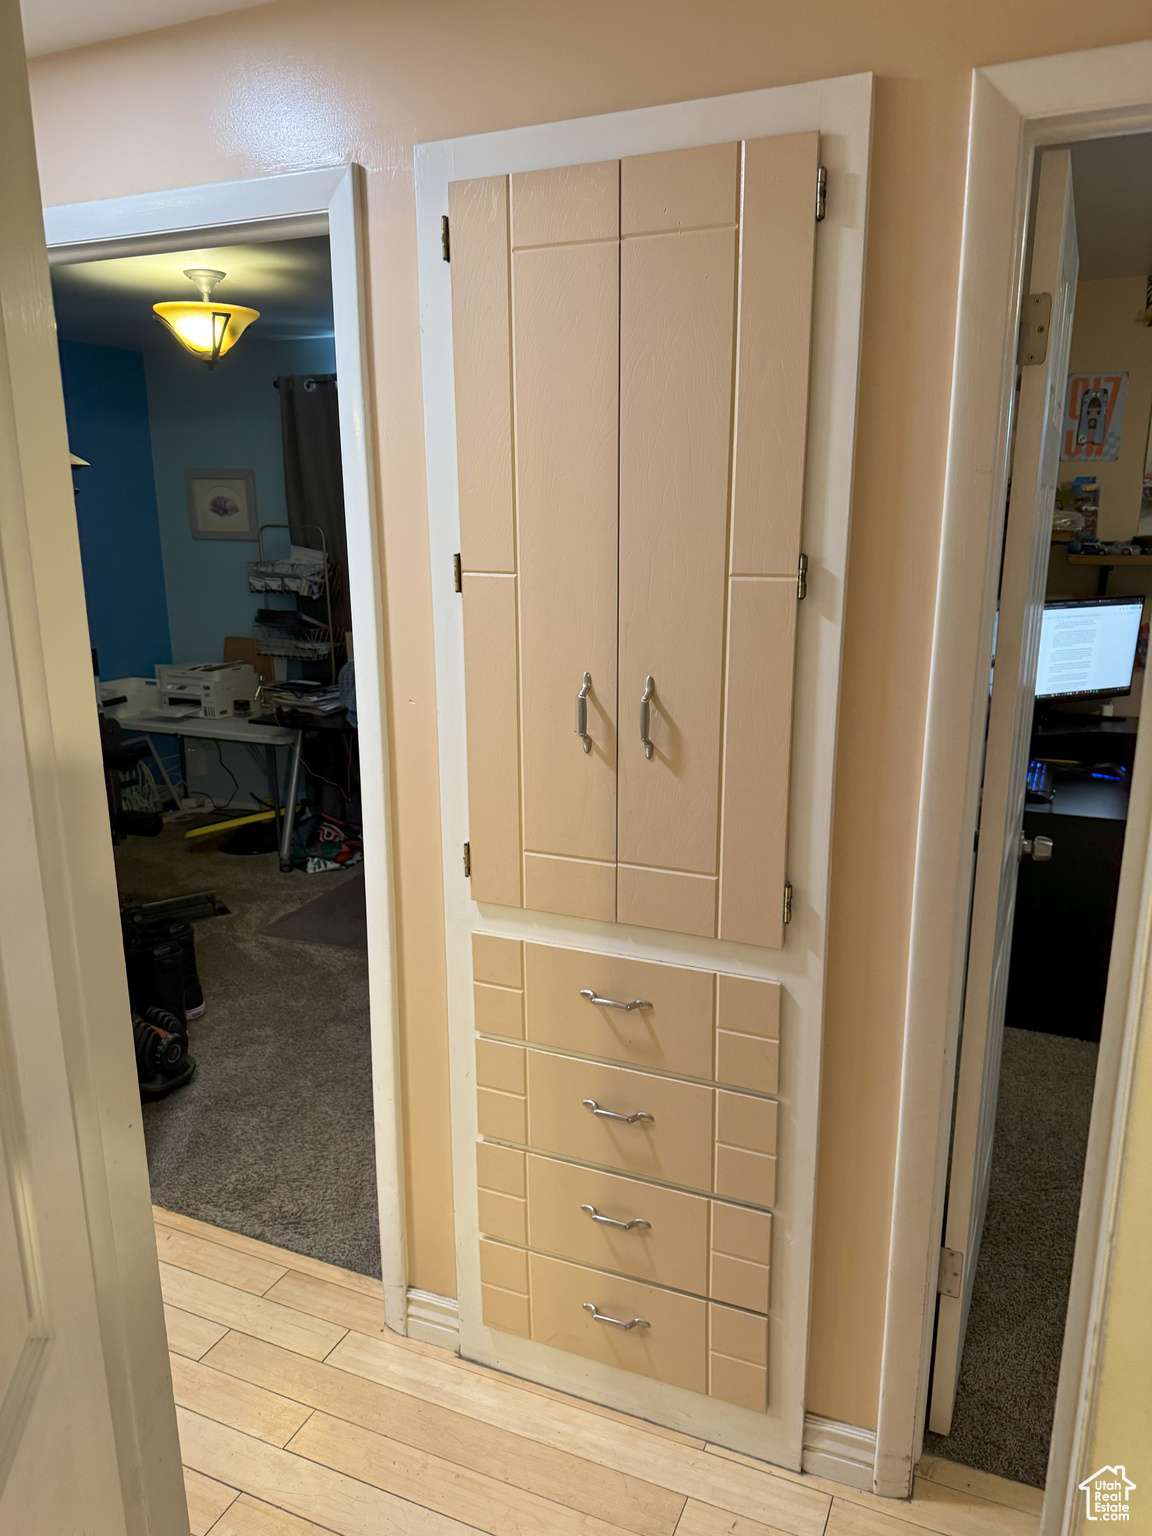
{"x":50,"y":25}
{"x":110,"y":302}
{"x":1112,"y":184}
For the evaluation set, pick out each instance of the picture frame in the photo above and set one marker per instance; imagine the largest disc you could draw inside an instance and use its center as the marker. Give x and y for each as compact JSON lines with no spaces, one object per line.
{"x":222,"y":503}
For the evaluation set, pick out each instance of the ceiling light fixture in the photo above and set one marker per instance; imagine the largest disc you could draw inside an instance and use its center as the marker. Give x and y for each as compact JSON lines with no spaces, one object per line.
{"x":208,"y":329}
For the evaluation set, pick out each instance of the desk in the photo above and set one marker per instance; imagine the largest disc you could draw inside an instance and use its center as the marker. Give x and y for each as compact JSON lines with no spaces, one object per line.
{"x":1085,"y":739}
{"x":254,"y":733}
{"x":1106,"y":564}
{"x":1066,"y":909}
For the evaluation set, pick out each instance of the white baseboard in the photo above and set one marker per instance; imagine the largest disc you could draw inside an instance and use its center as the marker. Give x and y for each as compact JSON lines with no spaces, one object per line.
{"x":434,"y":1319}
{"x":839,"y":1451}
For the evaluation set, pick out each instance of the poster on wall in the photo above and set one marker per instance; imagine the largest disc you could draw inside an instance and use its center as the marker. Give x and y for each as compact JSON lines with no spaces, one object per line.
{"x":1094,"y":416}
{"x":221,"y":503}
{"x":1146,"y":492}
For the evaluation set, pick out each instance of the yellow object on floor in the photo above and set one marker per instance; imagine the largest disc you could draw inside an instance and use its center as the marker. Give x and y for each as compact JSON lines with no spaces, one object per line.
{"x":236,"y":821}
{"x":301,"y":1415}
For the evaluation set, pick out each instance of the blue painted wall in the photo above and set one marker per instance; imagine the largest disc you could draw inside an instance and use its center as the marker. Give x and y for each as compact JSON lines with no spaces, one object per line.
{"x":107,"y":407}
{"x":155,"y":593}
{"x":228,"y":418}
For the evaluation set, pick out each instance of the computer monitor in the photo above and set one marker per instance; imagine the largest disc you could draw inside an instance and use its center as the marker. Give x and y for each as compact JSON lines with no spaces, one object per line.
{"x":1088,"y":648}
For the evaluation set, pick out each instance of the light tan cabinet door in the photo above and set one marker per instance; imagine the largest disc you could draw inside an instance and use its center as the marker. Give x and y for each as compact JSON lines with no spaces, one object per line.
{"x":535,"y":288}
{"x":631,"y":346}
{"x":717,"y":249}
{"x":481,"y":308}
{"x":677,"y":332}
{"x":565,"y":320}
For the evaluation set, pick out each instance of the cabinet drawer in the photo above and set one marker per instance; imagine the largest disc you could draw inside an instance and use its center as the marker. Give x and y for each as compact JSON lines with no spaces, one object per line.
{"x":673,"y":1142}
{"x":673,"y":1035}
{"x":682,"y":1133}
{"x":671,"y":1247}
{"x":685,"y":1241}
{"x":702,"y":1024}
{"x":686,"y":1342}
{"x":672,"y":1348}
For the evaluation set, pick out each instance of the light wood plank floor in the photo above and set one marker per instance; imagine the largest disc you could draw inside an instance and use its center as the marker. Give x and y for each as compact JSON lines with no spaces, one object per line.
{"x":301,"y":1416}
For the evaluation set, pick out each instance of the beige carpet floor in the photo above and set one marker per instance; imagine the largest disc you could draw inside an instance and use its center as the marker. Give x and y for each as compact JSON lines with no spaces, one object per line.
{"x":273,"y":1137}
{"x":1011,"y":1364}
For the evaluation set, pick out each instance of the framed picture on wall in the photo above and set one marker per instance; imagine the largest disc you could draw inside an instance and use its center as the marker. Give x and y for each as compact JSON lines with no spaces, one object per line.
{"x":222,"y":503}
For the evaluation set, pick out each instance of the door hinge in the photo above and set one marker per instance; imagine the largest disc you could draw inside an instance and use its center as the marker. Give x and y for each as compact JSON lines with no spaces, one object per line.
{"x":1035,"y":323}
{"x":821,"y":193}
{"x":787,"y":912}
{"x":467,"y":861}
{"x":445,"y":242}
{"x":802,"y":579}
{"x":951,"y":1272}
{"x":457,"y":574}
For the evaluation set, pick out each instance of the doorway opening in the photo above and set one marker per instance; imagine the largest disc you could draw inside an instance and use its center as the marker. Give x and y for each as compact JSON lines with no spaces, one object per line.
{"x":1075,"y":595}
{"x":210,"y":504}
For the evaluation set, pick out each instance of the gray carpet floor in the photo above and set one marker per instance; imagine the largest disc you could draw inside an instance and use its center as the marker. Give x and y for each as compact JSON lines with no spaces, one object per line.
{"x":273,"y":1137}
{"x":1011,"y":1363}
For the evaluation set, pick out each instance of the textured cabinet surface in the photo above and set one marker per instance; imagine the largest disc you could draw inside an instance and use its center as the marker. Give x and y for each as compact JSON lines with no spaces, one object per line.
{"x":683,"y":1340}
{"x":631,"y":350}
{"x":662,"y":1203}
{"x":700,"y":1024}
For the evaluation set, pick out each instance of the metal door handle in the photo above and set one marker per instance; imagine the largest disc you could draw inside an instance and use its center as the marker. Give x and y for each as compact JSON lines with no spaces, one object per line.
{"x":610,"y":1002}
{"x":1038,"y":849}
{"x":615,"y":1322}
{"x":610,"y":1221}
{"x":649,"y":690}
{"x":610,"y":1114}
{"x":582,"y":712}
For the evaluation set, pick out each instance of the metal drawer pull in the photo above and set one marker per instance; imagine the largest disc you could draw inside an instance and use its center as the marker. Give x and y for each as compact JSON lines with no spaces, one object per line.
{"x":610,"y":1114}
{"x":582,"y":712}
{"x":610,"y":1002}
{"x":615,"y":1322}
{"x":610,"y":1221}
{"x":649,"y":690}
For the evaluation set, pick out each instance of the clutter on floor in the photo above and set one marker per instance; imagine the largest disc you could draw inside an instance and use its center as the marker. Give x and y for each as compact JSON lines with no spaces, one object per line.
{"x":1006,"y":1400}
{"x":165,"y":993}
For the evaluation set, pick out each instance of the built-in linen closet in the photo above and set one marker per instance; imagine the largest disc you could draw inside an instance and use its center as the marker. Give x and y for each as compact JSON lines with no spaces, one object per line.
{"x":631,"y":343}
{"x":627,"y":367}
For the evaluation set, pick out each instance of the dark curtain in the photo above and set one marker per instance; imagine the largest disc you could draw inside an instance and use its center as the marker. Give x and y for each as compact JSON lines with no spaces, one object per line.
{"x":310,"y":424}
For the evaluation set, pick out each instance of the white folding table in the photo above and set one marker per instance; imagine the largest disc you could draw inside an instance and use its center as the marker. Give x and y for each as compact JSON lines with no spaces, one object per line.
{"x":237,"y":728}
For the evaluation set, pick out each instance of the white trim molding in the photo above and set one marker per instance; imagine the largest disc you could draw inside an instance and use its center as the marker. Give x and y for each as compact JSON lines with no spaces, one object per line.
{"x":434,"y":1319}
{"x":1016,"y":109}
{"x":326,"y":201}
{"x":842,"y":1452}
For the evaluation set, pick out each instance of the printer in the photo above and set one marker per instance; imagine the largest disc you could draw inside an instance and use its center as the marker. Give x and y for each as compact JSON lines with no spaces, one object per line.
{"x":215,"y":690}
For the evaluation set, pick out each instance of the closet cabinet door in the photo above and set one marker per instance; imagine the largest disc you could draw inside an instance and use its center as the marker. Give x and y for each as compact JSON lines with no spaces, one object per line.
{"x":632,"y":349}
{"x":677,"y":313}
{"x":565,"y":322}
{"x":481,"y":318}
{"x":717,"y":250}
{"x":535,"y":310}
{"x":777,"y":256}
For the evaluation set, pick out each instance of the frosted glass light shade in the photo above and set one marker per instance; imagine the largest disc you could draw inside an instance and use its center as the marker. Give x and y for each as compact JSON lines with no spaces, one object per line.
{"x":207,"y":330}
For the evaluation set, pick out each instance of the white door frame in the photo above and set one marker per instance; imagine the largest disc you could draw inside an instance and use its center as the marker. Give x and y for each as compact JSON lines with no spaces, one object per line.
{"x":841,"y":110}
{"x":322,"y":201}
{"x":1016,"y":108}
